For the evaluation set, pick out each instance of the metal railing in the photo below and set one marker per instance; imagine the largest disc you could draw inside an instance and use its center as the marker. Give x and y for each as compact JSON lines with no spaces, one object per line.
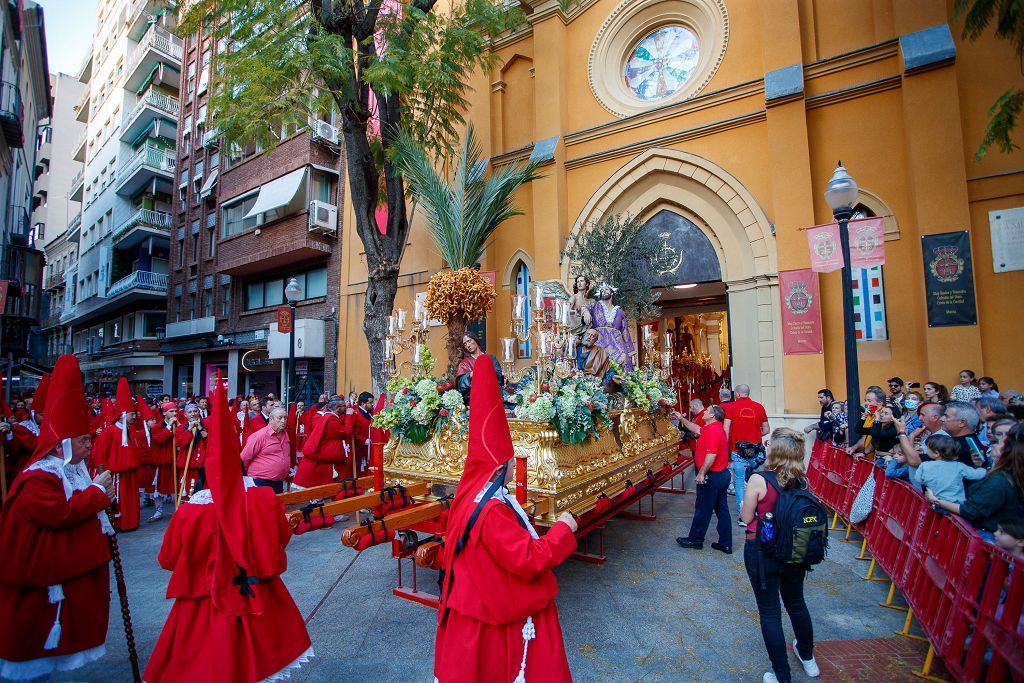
{"x":140,"y":279}
{"x":144,"y":218}
{"x":156,"y":100}
{"x":148,"y":155}
{"x":158,"y":39}
{"x":10,"y":100}
{"x":75,"y":223}
{"x":83,"y":101}
{"x":78,"y":180}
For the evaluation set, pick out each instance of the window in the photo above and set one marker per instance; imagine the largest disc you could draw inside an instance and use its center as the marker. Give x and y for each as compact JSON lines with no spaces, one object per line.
{"x":316,"y":283}
{"x":191,"y":306}
{"x":207,"y":303}
{"x":195,"y":241}
{"x":181,"y":253}
{"x":177,"y":309}
{"x":211,"y":240}
{"x":191,"y":78}
{"x":152,"y":323}
{"x":323,"y":186}
{"x":225,"y":301}
{"x":254,"y":295}
{"x":233,"y":219}
{"x":523,"y":289}
{"x":197,"y":178}
{"x":271,"y":292}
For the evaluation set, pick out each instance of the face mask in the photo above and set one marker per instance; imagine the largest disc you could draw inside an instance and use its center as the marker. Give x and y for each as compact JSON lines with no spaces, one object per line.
{"x":910,"y":404}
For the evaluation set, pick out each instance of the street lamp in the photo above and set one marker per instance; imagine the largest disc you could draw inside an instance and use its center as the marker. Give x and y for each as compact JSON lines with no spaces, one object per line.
{"x":292,"y":292}
{"x":841,"y":195}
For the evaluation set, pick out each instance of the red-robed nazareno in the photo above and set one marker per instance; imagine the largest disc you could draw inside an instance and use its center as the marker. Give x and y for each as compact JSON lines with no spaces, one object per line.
{"x":202,"y":643}
{"x":161,"y":455}
{"x":49,"y":539}
{"x":124,"y":462}
{"x":324,"y":451}
{"x":18,"y":448}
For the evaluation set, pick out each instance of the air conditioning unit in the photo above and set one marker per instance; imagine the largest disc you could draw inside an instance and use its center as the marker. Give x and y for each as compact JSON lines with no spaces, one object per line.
{"x":324,"y":132}
{"x":323,"y":218}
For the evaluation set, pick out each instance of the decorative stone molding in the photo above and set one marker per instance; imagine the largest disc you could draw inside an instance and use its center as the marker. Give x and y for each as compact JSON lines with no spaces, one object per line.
{"x":629,"y":22}
{"x":928,"y":48}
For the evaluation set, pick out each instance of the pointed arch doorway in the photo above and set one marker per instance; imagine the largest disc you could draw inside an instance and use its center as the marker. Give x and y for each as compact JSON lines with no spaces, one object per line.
{"x":691,"y":197}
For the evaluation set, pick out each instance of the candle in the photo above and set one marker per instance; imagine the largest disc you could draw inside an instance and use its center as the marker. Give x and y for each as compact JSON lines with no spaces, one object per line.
{"x":564,"y":313}
{"x":418,"y":312}
{"x":666,"y":359}
{"x":544,"y":343}
{"x":402,"y":315}
{"x":520,"y":307}
{"x":417,"y":352}
{"x":571,"y":347}
{"x":389,"y":349}
{"x":506,"y":344}
{"x":538,"y":297}
{"x":648,"y":333}
{"x":667,"y":342}
{"x":392,"y":325}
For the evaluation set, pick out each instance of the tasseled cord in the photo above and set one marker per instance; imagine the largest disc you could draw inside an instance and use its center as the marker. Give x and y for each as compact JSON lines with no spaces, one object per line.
{"x":529,"y":633}
{"x":57,"y":598}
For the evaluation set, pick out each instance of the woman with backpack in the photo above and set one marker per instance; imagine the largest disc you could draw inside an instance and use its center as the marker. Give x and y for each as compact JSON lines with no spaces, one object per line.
{"x":786,"y":533}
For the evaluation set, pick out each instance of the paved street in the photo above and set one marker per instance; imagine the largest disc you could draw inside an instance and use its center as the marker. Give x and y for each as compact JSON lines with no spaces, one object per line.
{"x":654,"y":612}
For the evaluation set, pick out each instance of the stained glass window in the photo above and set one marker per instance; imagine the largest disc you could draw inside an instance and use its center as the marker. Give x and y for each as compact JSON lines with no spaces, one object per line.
{"x":869,"y":304}
{"x":662,"y":62}
{"x":523,"y":289}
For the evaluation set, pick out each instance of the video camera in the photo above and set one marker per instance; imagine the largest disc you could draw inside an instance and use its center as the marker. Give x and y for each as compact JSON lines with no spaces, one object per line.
{"x":754,"y":453}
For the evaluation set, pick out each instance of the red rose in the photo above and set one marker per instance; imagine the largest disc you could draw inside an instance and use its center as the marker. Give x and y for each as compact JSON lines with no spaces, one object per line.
{"x":545,"y":387}
{"x":412,"y":404}
{"x":533,"y":398}
{"x":405,"y":390}
{"x":443,"y":413}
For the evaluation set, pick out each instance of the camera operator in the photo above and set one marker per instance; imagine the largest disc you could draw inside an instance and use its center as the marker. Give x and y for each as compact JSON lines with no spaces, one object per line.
{"x":690,"y":429}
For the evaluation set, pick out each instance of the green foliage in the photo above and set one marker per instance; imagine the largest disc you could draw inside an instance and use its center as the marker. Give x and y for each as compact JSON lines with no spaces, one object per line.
{"x":619,"y":251}
{"x":1009,"y":18}
{"x":574,"y":406}
{"x":288,"y":58}
{"x":421,"y":408}
{"x":645,"y":389}
{"x":463,"y":213}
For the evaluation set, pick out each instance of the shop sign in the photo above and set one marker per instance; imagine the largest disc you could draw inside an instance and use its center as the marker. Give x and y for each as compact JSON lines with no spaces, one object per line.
{"x":256,"y":359}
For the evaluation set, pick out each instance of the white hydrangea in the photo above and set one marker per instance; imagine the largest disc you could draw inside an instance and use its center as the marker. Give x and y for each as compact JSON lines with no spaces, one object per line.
{"x":451,"y":400}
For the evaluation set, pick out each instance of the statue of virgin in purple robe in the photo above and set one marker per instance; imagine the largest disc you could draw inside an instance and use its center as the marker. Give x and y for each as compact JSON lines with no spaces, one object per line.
{"x":612,"y":327}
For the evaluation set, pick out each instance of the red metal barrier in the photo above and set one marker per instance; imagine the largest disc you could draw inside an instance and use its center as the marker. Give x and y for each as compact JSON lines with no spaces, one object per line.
{"x":967,"y":594}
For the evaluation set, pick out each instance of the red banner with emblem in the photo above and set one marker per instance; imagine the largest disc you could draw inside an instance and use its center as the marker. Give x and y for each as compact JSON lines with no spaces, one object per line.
{"x":284,"y":319}
{"x":867,"y":242}
{"x":801,"y":312}
{"x":826,"y":252}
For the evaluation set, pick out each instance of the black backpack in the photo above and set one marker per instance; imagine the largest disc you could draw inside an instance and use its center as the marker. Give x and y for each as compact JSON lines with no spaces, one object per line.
{"x":800,"y":526}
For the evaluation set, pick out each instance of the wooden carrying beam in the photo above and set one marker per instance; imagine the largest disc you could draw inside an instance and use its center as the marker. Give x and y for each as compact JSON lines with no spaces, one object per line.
{"x":401,"y":519}
{"x":367,"y":500}
{"x":322,"y":491}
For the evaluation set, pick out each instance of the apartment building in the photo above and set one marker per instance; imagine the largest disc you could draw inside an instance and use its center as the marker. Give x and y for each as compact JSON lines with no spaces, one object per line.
{"x":130,"y":109}
{"x":57,"y":173}
{"x":24,"y":104}
{"x":244,"y":224}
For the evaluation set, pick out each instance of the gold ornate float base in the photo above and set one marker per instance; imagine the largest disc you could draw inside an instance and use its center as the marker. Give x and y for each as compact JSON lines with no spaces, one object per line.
{"x":560,"y":476}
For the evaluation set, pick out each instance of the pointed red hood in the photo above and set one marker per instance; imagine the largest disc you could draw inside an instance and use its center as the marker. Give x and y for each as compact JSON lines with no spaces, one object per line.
{"x":124,"y":403}
{"x":490,"y":446}
{"x":39,"y":399}
{"x":145,"y":412}
{"x":107,"y":412}
{"x":224,"y":472}
{"x":68,"y":415}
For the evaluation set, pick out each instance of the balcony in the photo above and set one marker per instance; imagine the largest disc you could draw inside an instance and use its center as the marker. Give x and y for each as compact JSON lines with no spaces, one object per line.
{"x":156,"y":47}
{"x":139,"y":280}
{"x":153,"y":106}
{"x":82,"y":108}
{"x":79,"y":149}
{"x":77,"y":183}
{"x":74,"y":227}
{"x":11,"y":115}
{"x":143,"y":224}
{"x":149,"y":163}
{"x":189,"y":328}
{"x":139,"y":13}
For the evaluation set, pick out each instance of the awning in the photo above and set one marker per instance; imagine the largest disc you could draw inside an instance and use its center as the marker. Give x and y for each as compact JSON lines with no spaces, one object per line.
{"x":278,"y":192}
{"x":210,"y":183}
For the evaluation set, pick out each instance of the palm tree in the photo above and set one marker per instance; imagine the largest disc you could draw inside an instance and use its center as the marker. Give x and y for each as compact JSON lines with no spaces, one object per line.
{"x":461,"y":215}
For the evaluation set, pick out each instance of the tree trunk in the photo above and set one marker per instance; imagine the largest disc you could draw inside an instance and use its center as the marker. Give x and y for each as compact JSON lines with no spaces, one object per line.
{"x":380,"y":299}
{"x":456,"y":328}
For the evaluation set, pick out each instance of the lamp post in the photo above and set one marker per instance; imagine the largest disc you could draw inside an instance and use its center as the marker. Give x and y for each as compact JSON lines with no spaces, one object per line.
{"x":841,"y":195}
{"x":292,"y":292}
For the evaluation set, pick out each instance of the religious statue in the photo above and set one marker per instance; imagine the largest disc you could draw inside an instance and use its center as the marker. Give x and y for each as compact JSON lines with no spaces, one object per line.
{"x":612,"y":327}
{"x":592,"y":360}
{"x":684,"y":342}
{"x":464,"y":373}
{"x":579,"y":306}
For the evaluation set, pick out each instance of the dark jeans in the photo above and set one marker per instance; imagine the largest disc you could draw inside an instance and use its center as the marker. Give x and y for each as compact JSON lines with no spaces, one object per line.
{"x":712,"y":496}
{"x":787,"y":581}
{"x":278,"y":486}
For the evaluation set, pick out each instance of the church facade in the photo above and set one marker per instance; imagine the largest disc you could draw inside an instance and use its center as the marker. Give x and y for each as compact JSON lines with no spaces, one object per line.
{"x":719,"y":122}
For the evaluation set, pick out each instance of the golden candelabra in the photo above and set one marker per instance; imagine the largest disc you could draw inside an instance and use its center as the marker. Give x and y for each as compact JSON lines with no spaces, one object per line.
{"x":555,"y":345}
{"x":650,"y":345}
{"x":398,"y":340}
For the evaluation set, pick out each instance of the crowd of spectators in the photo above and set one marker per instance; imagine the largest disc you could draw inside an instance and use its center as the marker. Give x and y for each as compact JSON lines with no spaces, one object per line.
{"x":964,"y":449}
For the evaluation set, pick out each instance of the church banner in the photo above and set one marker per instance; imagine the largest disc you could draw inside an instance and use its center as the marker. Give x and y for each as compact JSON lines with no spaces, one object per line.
{"x":949,"y":279}
{"x":867,"y":242}
{"x":801,"y":312}
{"x":823,"y":242}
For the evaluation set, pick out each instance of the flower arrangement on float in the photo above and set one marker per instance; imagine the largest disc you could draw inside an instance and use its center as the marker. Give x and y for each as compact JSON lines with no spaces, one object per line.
{"x":645,"y":389}
{"x":573,"y":406}
{"x":422,"y":406}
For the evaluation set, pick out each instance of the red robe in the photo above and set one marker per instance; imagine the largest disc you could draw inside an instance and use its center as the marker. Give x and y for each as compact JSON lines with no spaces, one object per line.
{"x":502,"y":577}
{"x":124,"y":462}
{"x":201,"y":643}
{"x":183,"y":438}
{"x":18,"y":449}
{"x":362,"y":431}
{"x":49,"y":539}
{"x":147,"y":471}
{"x":161,"y":456}
{"x":324,"y":451}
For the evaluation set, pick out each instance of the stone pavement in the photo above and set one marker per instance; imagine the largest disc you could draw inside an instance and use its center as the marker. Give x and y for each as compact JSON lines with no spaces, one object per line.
{"x":653,"y":613}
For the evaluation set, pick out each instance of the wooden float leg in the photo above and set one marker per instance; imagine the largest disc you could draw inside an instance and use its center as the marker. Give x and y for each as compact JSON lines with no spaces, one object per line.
{"x":639,"y":514}
{"x":413,"y":593}
{"x":586,"y":555}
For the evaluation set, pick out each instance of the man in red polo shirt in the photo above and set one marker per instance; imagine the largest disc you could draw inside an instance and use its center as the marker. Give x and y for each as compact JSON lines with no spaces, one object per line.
{"x":745,"y":420}
{"x":711,"y":456}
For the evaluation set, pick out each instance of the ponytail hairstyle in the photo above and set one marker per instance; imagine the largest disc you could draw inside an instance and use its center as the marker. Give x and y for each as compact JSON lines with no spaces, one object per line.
{"x":786,"y":457}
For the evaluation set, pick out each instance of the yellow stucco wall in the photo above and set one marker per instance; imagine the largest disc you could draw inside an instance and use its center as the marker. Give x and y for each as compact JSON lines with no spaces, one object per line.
{"x":909,"y":140}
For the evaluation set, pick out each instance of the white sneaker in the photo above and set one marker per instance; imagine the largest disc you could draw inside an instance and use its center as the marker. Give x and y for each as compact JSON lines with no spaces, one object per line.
{"x":158,"y":515}
{"x":740,"y":522}
{"x":769,"y":677}
{"x":810,"y":666}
